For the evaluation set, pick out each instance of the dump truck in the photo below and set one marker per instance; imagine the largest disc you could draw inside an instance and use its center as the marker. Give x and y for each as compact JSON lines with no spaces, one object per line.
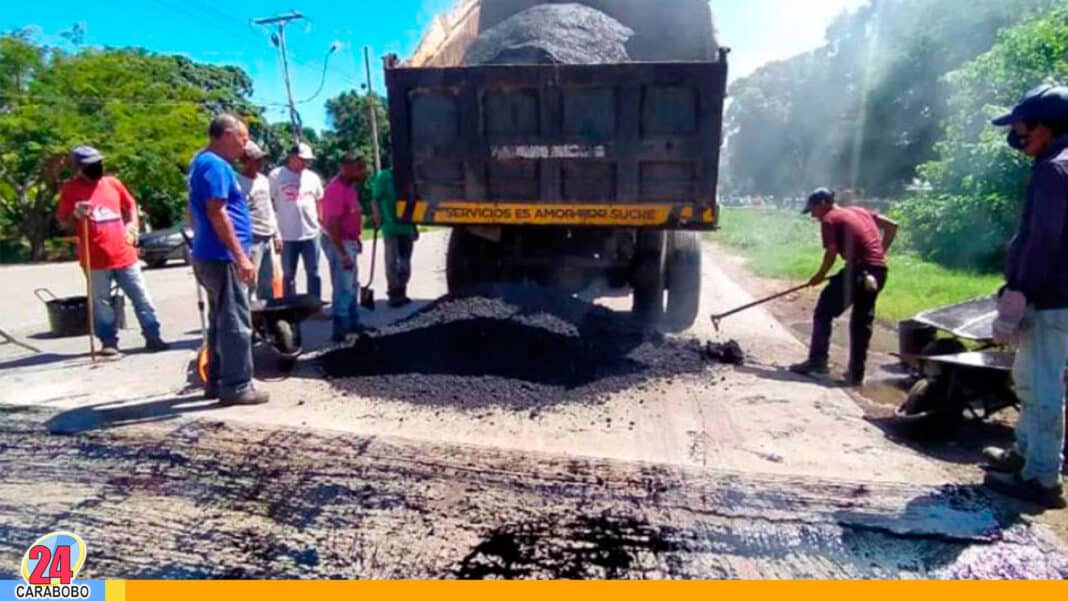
{"x":566,"y":175}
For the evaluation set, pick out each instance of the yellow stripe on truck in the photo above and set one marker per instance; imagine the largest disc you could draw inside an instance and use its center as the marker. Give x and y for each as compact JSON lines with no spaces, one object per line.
{"x":481,"y":213}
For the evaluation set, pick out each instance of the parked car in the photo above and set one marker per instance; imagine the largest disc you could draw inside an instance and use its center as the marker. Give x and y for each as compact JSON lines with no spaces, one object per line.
{"x":158,"y":247}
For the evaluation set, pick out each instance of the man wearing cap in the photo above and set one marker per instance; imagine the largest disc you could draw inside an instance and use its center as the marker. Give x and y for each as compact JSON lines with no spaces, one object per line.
{"x":265,"y":239}
{"x":296,"y":191}
{"x":1033,"y":305}
{"x":111,"y":212}
{"x":862,"y":238}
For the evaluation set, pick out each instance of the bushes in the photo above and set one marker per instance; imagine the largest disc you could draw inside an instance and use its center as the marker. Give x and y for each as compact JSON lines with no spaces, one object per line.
{"x":968,"y":232}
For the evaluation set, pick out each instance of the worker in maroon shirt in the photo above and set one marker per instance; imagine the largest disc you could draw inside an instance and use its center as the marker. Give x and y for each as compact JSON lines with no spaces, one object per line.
{"x":862,"y":238}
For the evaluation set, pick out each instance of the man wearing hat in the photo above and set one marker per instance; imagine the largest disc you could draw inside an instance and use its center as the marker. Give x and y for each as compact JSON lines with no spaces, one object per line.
{"x":296,"y":191}
{"x":862,"y":238}
{"x":265,"y":239}
{"x":110,"y":210}
{"x":1033,"y":305}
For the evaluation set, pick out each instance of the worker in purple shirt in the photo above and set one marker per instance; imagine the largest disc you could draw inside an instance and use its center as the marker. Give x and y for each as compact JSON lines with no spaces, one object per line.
{"x":1033,"y":305}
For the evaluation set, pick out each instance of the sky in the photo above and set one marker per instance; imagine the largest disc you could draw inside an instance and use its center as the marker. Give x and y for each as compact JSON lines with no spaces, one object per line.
{"x":221,"y":32}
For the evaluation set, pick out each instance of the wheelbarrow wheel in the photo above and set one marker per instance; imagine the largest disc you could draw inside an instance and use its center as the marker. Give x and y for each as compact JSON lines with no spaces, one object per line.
{"x":287,"y":344}
{"x":931,"y":411}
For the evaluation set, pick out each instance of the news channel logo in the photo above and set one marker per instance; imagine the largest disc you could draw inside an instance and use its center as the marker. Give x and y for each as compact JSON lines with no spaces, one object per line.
{"x":49,"y":571}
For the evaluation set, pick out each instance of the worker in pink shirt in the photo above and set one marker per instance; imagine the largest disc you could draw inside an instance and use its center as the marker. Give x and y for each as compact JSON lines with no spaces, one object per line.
{"x":342,"y":224}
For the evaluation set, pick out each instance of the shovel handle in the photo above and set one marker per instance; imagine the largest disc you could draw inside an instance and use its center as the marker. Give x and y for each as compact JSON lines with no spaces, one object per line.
{"x":716,"y":319}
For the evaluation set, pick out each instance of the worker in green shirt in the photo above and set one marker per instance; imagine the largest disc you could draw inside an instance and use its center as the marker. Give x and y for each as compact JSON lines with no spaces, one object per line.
{"x":399,"y":237}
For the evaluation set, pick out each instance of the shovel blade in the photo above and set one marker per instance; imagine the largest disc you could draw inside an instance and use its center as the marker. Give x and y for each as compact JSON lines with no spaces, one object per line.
{"x":367,"y":299}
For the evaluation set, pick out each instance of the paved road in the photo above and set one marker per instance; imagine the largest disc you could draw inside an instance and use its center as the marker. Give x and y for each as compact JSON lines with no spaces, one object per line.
{"x":700,"y":471}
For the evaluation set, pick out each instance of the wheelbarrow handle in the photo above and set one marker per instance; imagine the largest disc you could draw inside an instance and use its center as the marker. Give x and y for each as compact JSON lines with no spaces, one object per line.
{"x":38,"y":293}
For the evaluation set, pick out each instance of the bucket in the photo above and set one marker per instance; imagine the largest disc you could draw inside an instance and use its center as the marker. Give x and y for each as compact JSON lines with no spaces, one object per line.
{"x":912,"y":338}
{"x":68,"y":317}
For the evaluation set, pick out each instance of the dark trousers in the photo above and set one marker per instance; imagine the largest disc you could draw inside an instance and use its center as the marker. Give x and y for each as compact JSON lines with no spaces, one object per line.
{"x":399,"y":264}
{"x":846,"y":289}
{"x":229,"y":328}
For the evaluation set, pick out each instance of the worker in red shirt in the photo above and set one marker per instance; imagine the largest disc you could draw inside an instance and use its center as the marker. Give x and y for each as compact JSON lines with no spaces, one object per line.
{"x":111,"y":212}
{"x":862,"y":238}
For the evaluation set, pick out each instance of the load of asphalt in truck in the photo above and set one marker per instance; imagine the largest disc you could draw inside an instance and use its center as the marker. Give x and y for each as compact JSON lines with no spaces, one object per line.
{"x":557,"y":33}
{"x":568,"y":144}
{"x":511,"y":346}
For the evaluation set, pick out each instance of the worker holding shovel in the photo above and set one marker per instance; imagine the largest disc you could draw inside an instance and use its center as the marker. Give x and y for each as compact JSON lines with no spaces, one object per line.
{"x":104,"y":216}
{"x":862,"y":238}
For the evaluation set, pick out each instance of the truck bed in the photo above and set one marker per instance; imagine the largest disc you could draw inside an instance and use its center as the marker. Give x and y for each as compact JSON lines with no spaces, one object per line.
{"x":633,"y":144}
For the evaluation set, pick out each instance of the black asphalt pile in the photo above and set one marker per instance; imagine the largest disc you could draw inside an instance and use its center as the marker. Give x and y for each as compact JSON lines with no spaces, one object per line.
{"x":570,"y":34}
{"x":510,"y":346}
{"x":728,"y":353}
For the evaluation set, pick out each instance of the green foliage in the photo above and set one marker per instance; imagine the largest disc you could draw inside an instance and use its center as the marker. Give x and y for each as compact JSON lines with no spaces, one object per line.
{"x":980,"y":180}
{"x":958,"y":231}
{"x":147,"y":113}
{"x":864,"y":110}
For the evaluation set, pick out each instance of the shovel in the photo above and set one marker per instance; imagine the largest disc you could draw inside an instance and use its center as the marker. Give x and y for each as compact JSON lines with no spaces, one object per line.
{"x":367,"y":294}
{"x":716,"y":319}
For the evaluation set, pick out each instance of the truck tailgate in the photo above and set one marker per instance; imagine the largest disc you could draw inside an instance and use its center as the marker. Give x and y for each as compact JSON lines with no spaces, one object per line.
{"x":633,"y":144}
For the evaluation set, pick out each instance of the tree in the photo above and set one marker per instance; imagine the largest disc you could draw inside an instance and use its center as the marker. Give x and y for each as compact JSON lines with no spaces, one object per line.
{"x":864,"y":110}
{"x":350,"y":119}
{"x":147,"y":113}
{"x":980,"y":180}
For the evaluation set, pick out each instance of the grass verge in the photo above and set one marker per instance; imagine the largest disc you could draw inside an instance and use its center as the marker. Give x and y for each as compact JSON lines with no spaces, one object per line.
{"x":784,"y":246}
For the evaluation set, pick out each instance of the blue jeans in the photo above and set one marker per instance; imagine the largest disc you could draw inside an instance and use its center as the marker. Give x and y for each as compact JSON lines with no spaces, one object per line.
{"x":1039,"y":378}
{"x":346,"y":283}
{"x":229,"y":328}
{"x":132,"y":284}
{"x":292,"y":252}
{"x":260,"y":255}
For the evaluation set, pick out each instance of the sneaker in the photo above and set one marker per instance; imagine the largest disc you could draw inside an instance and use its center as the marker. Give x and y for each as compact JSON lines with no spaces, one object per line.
{"x":399,"y":301}
{"x":211,"y":394}
{"x":1005,"y":461}
{"x":110,"y":350}
{"x":249,"y":397}
{"x":810,"y":368}
{"x":338,"y":337}
{"x":156,"y":345}
{"x":1013,"y":485}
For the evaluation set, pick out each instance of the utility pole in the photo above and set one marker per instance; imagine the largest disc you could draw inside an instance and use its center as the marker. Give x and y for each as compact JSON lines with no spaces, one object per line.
{"x":279,"y":40}
{"x":371,"y":107}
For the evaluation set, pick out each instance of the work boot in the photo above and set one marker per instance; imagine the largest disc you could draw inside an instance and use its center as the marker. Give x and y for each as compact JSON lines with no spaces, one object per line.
{"x":110,"y":350}
{"x":853,"y":379}
{"x":810,"y":368}
{"x":398,"y":297}
{"x":1013,"y":485}
{"x":156,"y":345}
{"x":1004,"y":461}
{"x":251,"y":396}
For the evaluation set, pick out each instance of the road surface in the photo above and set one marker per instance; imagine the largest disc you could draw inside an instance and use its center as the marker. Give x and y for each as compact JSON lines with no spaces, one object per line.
{"x":682,"y":469}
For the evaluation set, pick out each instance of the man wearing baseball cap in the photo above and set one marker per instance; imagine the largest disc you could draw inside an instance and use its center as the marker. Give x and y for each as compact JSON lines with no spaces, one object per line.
{"x":297,"y":191}
{"x":1033,"y":305}
{"x":265,"y":239}
{"x":110,"y":210}
{"x":862,"y":238}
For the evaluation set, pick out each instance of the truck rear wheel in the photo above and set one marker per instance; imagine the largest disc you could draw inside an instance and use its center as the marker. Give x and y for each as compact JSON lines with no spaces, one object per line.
{"x":469,"y":261}
{"x":648,"y":277}
{"x":683,"y":281}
